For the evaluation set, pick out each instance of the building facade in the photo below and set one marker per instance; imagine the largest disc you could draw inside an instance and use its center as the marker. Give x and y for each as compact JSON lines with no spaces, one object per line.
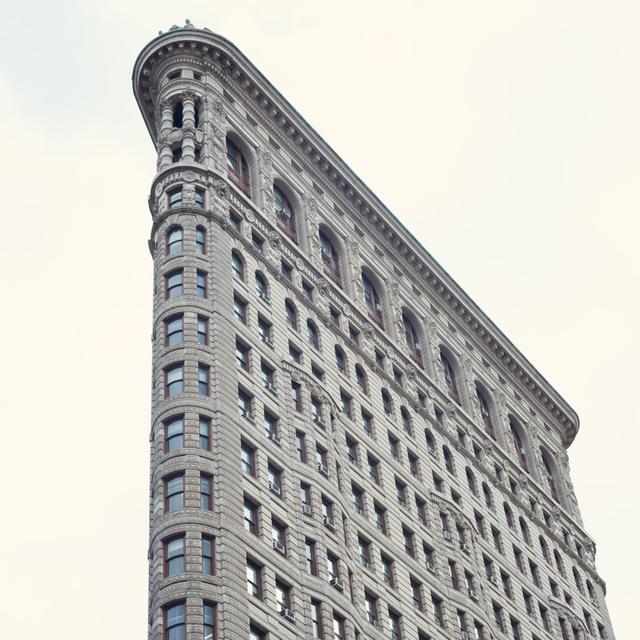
{"x":342,"y":444}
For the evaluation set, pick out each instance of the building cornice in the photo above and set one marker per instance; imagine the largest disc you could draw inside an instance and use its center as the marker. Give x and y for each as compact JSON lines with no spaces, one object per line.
{"x":233,"y":68}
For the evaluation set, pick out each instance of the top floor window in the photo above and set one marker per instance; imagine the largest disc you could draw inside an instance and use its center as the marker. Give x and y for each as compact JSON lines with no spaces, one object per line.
{"x":284,"y":212}
{"x":411,"y":337}
{"x":551,"y":481}
{"x":485,"y":413}
{"x":237,"y":167}
{"x":449,"y":377}
{"x":518,"y":444}
{"x":330,"y":259}
{"x":372,"y":299}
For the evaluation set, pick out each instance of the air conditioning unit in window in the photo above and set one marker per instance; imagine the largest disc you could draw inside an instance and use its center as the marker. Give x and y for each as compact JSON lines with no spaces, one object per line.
{"x":446,"y":534}
{"x":278,"y":546}
{"x":320,"y":422}
{"x":268,"y":341}
{"x":248,"y":415}
{"x":323,"y":469}
{"x":337,"y":583}
{"x":275,"y":488}
{"x":288,"y":614}
{"x":328,"y":522}
{"x":432,"y":451}
{"x":275,"y":438}
{"x":271,"y":387}
{"x":263,"y":295}
{"x":306,"y":509}
{"x":473,"y":595}
{"x":430,"y":566}
{"x":494,"y":580}
{"x":466,"y":547}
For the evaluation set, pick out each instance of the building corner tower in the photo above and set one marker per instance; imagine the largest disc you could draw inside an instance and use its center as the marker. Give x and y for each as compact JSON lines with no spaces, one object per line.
{"x":343,"y":446}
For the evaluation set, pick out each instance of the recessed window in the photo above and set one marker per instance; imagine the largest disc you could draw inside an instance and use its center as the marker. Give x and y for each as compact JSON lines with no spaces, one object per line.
{"x":372,"y":300}
{"x":291,"y":315}
{"x":174,"y":240}
{"x":201,"y":240}
{"x":174,"y":556}
{"x":262,"y":288}
{"x":199,"y":200}
{"x":240,"y":309}
{"x":203,"y":331}
{"x":449,"y":376}
{"x":206,"y":491}
{"x":173,"y":380}
{"x":312,"y":335}
{"x":173,"y":284}
{"x":203,"y":380}
{"x":238,"y":168}
{"x":209,"y":621}
{"x":174,"y":621}
{"x":174,"y":434}
{"x":175,"y":197}
{"x":204,"y":432}
{"x":254,"y":579}
{"x":201,"y":284}
{"x":412,"y":340}
{"x":174,"y":492}
{"x":485,"y":413}
{"x":330,"y":259}
{"x":237,"y":266}
{"x":284,"y":213}
{"x":173,"y":334}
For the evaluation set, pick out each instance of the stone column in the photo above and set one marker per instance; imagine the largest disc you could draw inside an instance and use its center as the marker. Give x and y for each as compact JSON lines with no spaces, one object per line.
{"x":165,"y":156}
{"x":188,"y":128}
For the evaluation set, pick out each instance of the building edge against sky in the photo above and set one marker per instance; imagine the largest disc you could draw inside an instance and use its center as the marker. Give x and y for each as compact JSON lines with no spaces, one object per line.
{"x":342,"y":443}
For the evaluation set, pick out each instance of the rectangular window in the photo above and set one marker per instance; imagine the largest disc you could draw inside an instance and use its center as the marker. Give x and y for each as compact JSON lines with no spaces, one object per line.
{"x":173,"y":333}
{"x":203,"y":379}
{"x":174,"y":434}
{"x":175,"y":197}
{"x":240,"y":309}
{"x":301,"y":449}
{"x":310,"y":556}
{"x":174,"y":556}
{"x":209,"y":631}
{"x":296,"y":396}
{"x":251,"y":516}
{"x":208,"y":551}
{"x":205,"y":433}
{"x":174,"y":492}
{"x":206,"y":491}
{"x":174,"y":621}
{"x":173,"y":380}
{"x":247,"y":457}
{"x":203,"y":331}
{"x":254,"y":579}
{"x":242,"y":355}
{"x":201,"y":284}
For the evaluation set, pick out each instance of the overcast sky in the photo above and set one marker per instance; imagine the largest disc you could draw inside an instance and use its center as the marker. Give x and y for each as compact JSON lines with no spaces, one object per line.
{"x":504,"y":135}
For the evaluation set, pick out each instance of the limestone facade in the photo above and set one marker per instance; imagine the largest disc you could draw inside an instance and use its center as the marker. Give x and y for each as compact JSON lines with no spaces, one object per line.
{"x":342,"y":444}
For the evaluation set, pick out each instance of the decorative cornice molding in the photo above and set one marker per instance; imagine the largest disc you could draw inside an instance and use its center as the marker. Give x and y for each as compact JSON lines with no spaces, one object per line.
{"x":232,"y":67}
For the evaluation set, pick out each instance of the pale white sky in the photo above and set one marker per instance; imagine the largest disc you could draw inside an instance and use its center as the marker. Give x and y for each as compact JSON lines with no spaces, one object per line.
{"x":505,"y":135}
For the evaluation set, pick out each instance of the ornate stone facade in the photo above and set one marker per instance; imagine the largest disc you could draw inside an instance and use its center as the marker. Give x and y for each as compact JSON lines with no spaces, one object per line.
{"x":327,"y":458}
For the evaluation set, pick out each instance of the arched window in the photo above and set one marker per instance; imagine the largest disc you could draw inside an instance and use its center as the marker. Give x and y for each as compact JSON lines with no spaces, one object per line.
{"x":524,"y":529}
{"x":262,"y":288}
{"x":291,"y":314}
{"x":330,"y":258}
{"x":448,"y":460}
{"x":471,"y":481}
{"x":387,"y":404}
{"x":284,"y":214}
{"x":312,"y":335}
{"x":559,"y":563}
{"x":361,"y":379}
{"x":201,"y":240}
{"x":413,"y":342}
{"x":341,"y":360}
{"x":577,"y":580}
{"x":508,"y":514}
{"x":372,"y":300}
{"x":485,"y":413}
{"x":174,"y":240}
{"x":488,"y":498}
{"x":177,"y":114}
{"x":431,"y":442}
{"x":591,"y":592}
{"x":237,"y":167}
{"x":449,"y":376}
{"x":544,"y":548}
{"x":406,"y":420}
{"x":237,"y":266}
{"x":518,"y":444}
{"x":551,"y":480}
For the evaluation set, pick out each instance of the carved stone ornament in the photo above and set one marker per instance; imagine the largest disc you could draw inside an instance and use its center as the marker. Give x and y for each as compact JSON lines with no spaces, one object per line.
{"x":411,"y":373}
{"x":433,"y":330}
{"x":217,"y":109}
{"x":450,"y":410}
{"x":556,"y":512}
{"x":274,"y":239}
{"x":322,"y":286}
{"x":346,"y":310}
{"x":501,"y":400}
{"x":158,"y":190}
{"x":487,"y":447}
{"x":221,"y":188}
{"x":295,"y":375}
{"x":250,"y":216}
{"x":299,"y":262}
{"x":432,"y":393}
{"x":267,"y":160}
{"x":468,"y":366}
{"x":368,"y":330}
{"x":523,"y":481}
{"x":189,"y":176}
